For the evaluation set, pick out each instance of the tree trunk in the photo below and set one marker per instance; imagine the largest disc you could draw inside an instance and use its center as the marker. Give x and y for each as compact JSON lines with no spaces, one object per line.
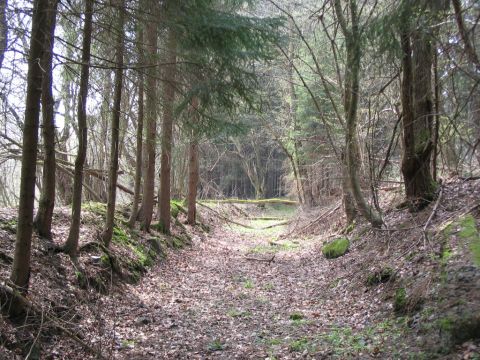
{"x":151,"y":125}
{"x":352,"y":79}
{"x":167,"y":134}
{"x":467,"y":43}
{"x":115,"y":128}
{"x":21,"y":260}
{"x":348,"y":200}
{"x":418,"y":116}
{"x":139,"y":139}
{"x":292,"y":112}
{"x":193,"y":170}
{"x":43,"y":220}
{"x":71,"y":245}
{"x":3,"y":30}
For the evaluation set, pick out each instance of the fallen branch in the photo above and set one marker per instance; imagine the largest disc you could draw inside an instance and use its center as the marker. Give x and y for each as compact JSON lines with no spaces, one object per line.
{"x":254,"y":202}
{"x":265,"y":218}
{"x":269,"y":261}
{"x":286,"y":222}
{"x":321,"y":216}
{"x":224,"y":217}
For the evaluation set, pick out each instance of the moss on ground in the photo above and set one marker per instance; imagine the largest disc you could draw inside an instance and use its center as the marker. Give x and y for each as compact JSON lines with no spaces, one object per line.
{"x":9,"y":225}
{"x":177,"y":207}
{"x":381,"y":276}
{"x":466,"y":229}
{"x":275,"y":247}
{"x":400,"y":301}
{"x":336,"y":248}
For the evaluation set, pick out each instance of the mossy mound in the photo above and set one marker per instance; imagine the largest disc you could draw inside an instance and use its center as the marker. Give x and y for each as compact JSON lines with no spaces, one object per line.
{"x":9,"y":225}
{"x":407,"y":302}
{"x":380,"y":276}
{"x":457,"y":329}
{"x":176,"y":207}
{"x":336,"y":248}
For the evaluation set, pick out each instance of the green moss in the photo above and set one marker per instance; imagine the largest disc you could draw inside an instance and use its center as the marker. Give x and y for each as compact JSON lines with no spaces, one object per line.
{"x":380,"y":276}
{"x":174,"y":211}
{"x":300,"y":345}
{"x":216,"y":345}
{"x":445,"y":324}
{"x":296,"y":316}
{"x":235,"y":313}
{"x":248,"y":284}
{"x":350,"y":228}
{"x":120,"y":236}
{"x":81,"y":279}
{"x":105,"y":259}
{"x":274,"y":247}
{"x":400,"y":301}
{"x":470,"y":233}
{"x":177,"y":207}
{"x":177,"y":242}
{"x":159,"y":227}
{"x":467,"y":231}
{"x":336,"y":248}
{"x":95,"y":208}
{"x":9,"y":225}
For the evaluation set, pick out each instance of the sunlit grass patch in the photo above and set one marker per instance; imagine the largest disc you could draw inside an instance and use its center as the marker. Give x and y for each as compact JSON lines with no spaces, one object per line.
{"x":285,"y":245}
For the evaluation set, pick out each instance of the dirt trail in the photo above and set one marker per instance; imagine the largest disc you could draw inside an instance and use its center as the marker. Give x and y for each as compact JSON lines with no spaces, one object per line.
{"x":212,"y":301}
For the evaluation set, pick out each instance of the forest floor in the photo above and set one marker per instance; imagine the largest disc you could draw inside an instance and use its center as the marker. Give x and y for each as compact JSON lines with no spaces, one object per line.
{"x":267,"y":292}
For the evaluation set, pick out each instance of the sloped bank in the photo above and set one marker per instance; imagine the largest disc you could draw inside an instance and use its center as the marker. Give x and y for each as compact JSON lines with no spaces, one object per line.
{"x":62,"y":306}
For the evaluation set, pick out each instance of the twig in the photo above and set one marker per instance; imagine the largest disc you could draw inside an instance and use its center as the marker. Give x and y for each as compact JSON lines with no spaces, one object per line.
{"x":425,"y":235}
{"x":36,"y":338}
{"x":269,"y":261}
{"x":286,"y":222}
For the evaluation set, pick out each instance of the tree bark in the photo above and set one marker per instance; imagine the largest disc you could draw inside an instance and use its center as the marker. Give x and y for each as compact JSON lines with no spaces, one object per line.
{"x":193,"y":170}
{"x":115,"y":128}
{"x":167,"y":134}
{"x":151,"y":125}
{"x":352,"y":80}
{"x":21,"y":260}
{"x":71,"y":245}
{"x":43,"y":219}
{"x":348,"y":200}
{"x":418,"y":116}
{"x":139,"y":135}
{"x":469,"y":47}
{"x":3,"y":30}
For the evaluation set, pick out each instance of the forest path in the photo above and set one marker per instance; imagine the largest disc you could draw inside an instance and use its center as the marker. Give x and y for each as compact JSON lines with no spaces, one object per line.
{"x":215,"y":301}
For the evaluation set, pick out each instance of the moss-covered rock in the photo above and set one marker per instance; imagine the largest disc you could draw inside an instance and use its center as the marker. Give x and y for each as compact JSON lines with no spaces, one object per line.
{"x":336,"y":248}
